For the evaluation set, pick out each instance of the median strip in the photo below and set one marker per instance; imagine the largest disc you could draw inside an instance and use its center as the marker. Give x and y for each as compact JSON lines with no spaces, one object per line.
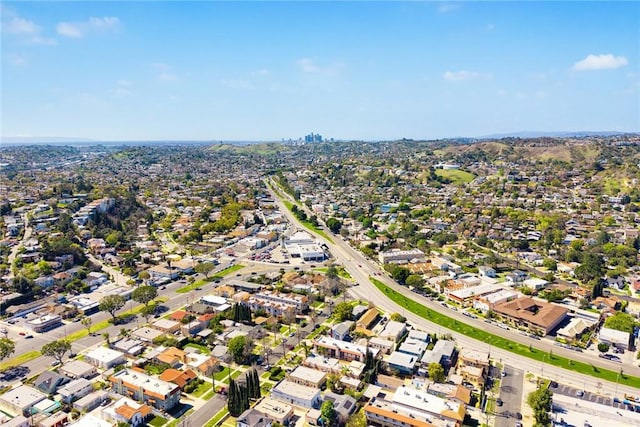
{"x":503,"y":343}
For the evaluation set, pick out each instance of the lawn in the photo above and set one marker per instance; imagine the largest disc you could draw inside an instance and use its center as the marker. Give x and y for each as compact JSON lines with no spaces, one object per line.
{"x":193,"y":286}
{"x":456,"y":176}
{"x":202,"y":389}
{"x":222,"y":375}
{"x":505,"y":344}
{"x":217,"y":418}
{"x":228,"y":270}
{"x":307,"y":224}
{"x":203,"y":349}
{"x":157,"y":421}
{"x":19,"y":360}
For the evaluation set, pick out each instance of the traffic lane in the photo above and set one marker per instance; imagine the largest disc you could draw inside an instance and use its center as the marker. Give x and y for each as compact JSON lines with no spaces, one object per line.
{"x":204,"y":413}
{"x":511,"y":396}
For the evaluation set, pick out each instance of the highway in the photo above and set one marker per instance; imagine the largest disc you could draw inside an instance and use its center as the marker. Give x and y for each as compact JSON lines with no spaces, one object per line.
{"x":361,"y":269}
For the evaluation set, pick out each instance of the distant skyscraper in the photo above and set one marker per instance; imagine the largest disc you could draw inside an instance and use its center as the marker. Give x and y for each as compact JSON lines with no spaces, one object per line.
{"x":312,"y":138}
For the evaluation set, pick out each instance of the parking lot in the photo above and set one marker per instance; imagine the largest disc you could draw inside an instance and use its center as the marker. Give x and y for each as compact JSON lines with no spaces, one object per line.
{"x":587,"y":396}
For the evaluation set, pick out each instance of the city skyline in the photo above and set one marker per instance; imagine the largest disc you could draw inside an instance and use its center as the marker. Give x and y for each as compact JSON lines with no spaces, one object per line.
{"x":266,"y":71}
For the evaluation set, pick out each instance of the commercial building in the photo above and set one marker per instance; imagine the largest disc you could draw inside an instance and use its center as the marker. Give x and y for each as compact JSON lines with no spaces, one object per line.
{"x":104,"y":358}
{"x":302,"y":245}
{"x":274,"y":410}
{"x":615,"y":338}
{"x":44,"y":323}
{"x":144,"y":388}
{"x":538,"y":316}
{"x":296,"y":394}
{"x":400,"y":257}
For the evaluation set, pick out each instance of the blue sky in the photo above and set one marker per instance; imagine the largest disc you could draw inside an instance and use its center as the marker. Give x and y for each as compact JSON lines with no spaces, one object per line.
{"x":362,"y":70}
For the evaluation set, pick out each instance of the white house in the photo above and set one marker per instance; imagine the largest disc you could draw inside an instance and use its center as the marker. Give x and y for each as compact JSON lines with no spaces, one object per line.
{"x":296,"y":394}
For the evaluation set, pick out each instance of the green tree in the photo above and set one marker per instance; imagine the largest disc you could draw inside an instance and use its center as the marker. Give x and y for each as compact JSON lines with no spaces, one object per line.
{"x":540,"y":401}
{"x":414,"y":280}
{"x":86,"y":322}
{"x":205,"y":268}
{"x":144,"y":294}
{"x":397,"y":317}
{"x":111,"y":304}
{"x":342,"y":311}
{"x":7,"y":347}
{"x":328,"y":414}
{"x":239,"y":348}
{"x":621,"y":322}
{"x":436,"y":372}
{"x":334,"y":225}
{"x":603,"y":347}
{"x":56,"y":349}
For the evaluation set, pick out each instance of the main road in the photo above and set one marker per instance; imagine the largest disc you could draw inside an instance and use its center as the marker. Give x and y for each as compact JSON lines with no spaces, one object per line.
{"x":361,"y":269}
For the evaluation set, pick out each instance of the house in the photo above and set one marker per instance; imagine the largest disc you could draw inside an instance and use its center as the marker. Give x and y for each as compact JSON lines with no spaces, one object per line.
{"x":443,"y":352}
{"x":180,"y":378}
{"x":172,"y":356}
{"x":535,"y":284}
{"x":78,"y":369}
{"x":367,"y":319}
{"x":253,"y":418}
{"x":167,"y":326}
{"x":296,"y":394}
{"x":75,"y":390}
{"x":343,"y":404}
{"x":48,"y":382}
{"x":340,"y":331}
{"x":402,"y":362}
{"x":128,"y":411}
{"x":393,"y":331}
{"x":383,"y":345}
{"x":275,"y":410}
{"x":576,"y":327}
{"x":308,"y":376}
{"x":104,"y":358}
{"x":516,"y":277}
{"x":202,"y":363}
{"x":486,"y":271}
{"x":18,"y":400}
{"x":91,"y":401}
{"x":615,"y":338}
{"x":413,"y":347}
{"x":144,"y":388}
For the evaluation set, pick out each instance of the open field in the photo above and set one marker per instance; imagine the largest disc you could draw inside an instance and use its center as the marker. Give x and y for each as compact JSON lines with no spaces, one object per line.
{"x":456,"y":176}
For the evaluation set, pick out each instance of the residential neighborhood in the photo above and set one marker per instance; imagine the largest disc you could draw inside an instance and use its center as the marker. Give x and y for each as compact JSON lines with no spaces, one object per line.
{"x":422,"y":284}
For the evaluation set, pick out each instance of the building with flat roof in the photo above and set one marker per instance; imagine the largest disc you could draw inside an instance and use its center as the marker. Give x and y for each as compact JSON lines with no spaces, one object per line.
{"x":296,"y":394}
{"x":104,"y":358}
{"x":343,"y":350}
{"x":308,"y":376}
{"x":413,"y":347}
{"x":144,"y":388}
{"x":18,"y":400}
{"x":166,"y":325}
{"x":393,"y":331}
{"x":275,"y":410}
{"x":75,"y":390}
{"x":322,"y":363}
{"x":443,"y":352}
{"x":384,"y":345}
{"x":415,"y":408}
{"x":615,"y":338}
{"x":403,"y":362}
{"x":400,"y":257}
{"x":44,"y":323}
{"x":78,"y":369}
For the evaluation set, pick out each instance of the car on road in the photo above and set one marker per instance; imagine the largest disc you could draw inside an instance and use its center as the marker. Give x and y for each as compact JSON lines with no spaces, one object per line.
{"x":499,"y":402}
{"x":55,"y":363}
{"x":29,"y":336}
{"x":503,"y":373}
{"x":22,"y":333}
{"x":579,"y":393}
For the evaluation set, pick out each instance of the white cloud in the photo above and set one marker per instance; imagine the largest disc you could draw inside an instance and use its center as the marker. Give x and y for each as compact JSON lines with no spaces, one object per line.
{"x":600,"y":62}
{"x":445,"y":7}
{"x":122,"y":89}
{"x":18,"y":60}
{"x":463,"y":75}
{"x":307,"y":65}
{"x":26,"y":30}
{"x":237,"y":84}
{"x":164,"y":73}
{"x":92,"y":25}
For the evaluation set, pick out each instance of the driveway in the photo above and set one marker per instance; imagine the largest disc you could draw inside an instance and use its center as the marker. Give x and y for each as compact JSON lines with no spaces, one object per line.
{"x":511,"y":396}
